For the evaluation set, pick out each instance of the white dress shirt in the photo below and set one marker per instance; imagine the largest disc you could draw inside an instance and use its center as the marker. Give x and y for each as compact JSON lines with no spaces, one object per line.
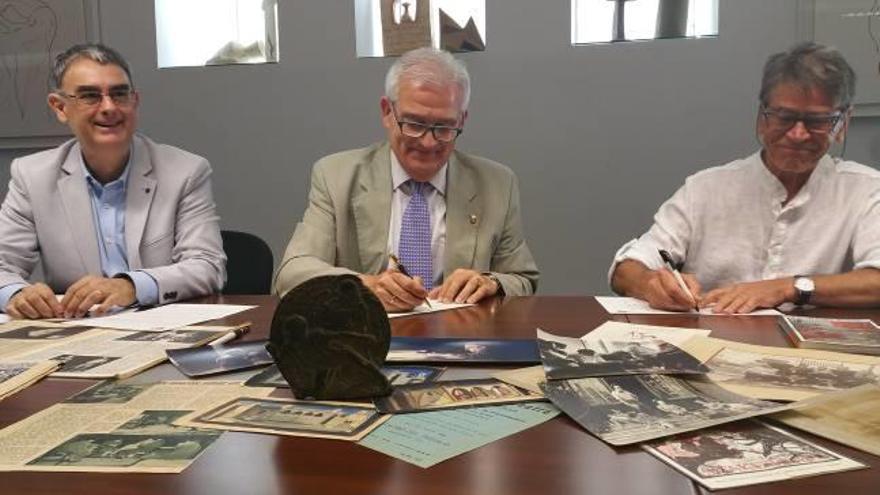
{"x":436,"y":198}
{"x":728,"y":224}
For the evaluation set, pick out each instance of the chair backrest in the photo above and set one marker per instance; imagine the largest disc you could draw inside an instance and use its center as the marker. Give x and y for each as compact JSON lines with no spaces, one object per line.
{"x":249,"y":263}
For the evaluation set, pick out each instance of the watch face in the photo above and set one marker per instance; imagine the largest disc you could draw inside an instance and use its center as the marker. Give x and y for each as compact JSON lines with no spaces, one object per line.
{"x":804,"y":284}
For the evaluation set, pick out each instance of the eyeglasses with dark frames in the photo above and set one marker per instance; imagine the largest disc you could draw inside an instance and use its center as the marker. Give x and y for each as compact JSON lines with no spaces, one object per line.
{"x":122,"y":97}
{"x":441,"y":133}
{"x":816,"y":123}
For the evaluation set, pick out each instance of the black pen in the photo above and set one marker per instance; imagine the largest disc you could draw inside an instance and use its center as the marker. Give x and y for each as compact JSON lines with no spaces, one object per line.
{"x":675,"y":273}
{"x":402,"y":269}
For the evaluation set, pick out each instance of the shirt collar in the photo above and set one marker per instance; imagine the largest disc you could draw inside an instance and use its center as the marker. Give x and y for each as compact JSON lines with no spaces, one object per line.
{"x":399,"y":175}
{"x":825,"y":165}
{"x":96,"y":185}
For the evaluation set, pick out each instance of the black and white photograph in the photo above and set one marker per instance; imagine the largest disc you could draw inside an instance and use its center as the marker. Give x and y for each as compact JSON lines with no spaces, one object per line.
{"x":568,"y":357}
{"x":451,"y":394}
{"x":629,"y":409}
{"x":36,"y":332}
{"x":173,"y":336}
{"x":108,"y":392}
{"x":9,"y":371}
{"x":210,"y":360}
{"x":424,"y":349}
{"x":789,"y":372}
{"x":746,"y":453}
{"x":397,"y":375}
{"x":158,"y":422}
{"x":112,"y":450}
{"x":72,"y":363}
{"x":335,"y":420}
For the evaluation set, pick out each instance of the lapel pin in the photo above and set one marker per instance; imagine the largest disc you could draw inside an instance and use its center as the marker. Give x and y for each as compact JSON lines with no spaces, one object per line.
{"x":147,"y":190}
{"x":473,"y":219}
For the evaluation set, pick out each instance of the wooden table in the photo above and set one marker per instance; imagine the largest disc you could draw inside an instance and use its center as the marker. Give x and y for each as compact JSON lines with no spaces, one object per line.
{"x":557,"y":457}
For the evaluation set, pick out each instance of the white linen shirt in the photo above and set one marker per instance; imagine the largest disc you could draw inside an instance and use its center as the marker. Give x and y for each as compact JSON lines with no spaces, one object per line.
{"x":728,"y":224}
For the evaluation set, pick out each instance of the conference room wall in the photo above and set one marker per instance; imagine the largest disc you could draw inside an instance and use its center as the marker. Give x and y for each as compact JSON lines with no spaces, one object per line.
{"x":598,"y":135}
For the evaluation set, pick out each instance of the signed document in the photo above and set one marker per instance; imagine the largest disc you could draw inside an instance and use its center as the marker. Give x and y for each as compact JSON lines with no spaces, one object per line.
{"x":424,"y":308}
{"x":164,"y":317}
{"x":633,"y":306}
{"x":428,"y":438}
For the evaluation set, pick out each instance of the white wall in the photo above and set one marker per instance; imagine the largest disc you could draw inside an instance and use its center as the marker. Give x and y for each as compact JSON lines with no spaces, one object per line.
{"x":599,"y":135}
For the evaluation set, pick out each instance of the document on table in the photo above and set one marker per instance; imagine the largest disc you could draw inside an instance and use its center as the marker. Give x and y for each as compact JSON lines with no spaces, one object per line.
{"x":435,"y":306}
{"x":633,"y":306}
{"x":163,"y":318}
{"x":428,"y":438}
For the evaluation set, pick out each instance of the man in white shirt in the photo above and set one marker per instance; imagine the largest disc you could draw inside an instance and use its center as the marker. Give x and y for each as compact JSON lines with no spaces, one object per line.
{"x":787,"y":224}
{"x":452,"y":218}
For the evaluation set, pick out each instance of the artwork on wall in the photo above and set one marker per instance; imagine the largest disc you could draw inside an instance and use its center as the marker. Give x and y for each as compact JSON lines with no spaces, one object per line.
{"x":393,"y":27}
{"x":32,"y":33}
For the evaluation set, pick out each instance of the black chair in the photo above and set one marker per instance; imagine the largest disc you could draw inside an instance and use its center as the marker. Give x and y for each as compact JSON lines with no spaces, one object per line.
{"x":249,"y":263}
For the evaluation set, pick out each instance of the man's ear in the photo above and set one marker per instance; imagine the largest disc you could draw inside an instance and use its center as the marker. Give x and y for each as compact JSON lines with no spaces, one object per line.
{"x":58,"y":105}
{"x":839,"y":131}
{"x":387,"y":112}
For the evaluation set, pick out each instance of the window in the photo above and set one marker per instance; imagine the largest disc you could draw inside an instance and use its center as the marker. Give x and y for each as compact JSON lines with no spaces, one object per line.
{"x":216,"y":32}
{"x":392,"y":27}
{"x":604,"y":21}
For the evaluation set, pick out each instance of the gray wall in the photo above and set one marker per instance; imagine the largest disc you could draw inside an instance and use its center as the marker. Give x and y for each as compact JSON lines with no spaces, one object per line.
{"x":598,"y":135}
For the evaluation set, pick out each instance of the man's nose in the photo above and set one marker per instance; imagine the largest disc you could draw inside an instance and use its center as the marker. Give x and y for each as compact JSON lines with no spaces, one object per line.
{"x":799,"y":132}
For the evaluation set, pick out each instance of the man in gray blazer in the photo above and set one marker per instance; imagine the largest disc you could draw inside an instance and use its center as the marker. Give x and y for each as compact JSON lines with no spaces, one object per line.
{"x":115,"y":218}
{"x":453,"y":218}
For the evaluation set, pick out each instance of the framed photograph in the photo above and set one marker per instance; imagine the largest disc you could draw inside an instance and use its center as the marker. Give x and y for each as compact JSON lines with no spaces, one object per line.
{"x":334,"y":420}
{"x":451,"y":394}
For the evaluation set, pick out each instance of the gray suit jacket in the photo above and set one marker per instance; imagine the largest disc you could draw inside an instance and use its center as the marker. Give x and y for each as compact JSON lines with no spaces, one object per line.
{"x":171,"y":227}
{"x":345,"y":227}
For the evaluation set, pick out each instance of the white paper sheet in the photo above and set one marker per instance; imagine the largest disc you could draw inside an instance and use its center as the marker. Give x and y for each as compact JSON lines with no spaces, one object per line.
{"x":164,"y":317}
{"x":435,"y":306}
{"x":633,"y":306}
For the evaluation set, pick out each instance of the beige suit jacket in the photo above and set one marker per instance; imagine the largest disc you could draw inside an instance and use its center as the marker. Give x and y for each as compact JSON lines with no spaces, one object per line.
{"x":171,"y":227}
{"x":345,"y":226}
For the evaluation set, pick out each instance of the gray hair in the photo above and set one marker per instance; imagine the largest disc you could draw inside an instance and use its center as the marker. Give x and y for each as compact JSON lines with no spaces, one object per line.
{"x":811,"y":65}
{"x":428,"y":65}
{"x":97,"y":52}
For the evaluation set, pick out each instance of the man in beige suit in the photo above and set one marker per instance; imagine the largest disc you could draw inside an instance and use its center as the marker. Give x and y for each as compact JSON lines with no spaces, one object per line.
{"x":115,"y":219}
{"x":452,"y":217}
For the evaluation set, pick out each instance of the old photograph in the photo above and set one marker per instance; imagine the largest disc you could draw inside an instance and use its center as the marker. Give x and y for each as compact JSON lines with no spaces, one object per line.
{"x":567,"y":357}
{"x":9,"y":371}
{"x":71,"y":363}
{"x":36,"y":332}
{"x":116,"y":450}
{"x":335,"y":420}
{"x":450,"y":394}
{"x":158,"y":422}
{"x":423,"y":349}
{"x":108,"y":392}
{"x":746,"y":453}
{"x":846,"y":335}
{"x":209,"y":360}
{"x":630,"y":409}
{"x":172,"y":336}
{"x":789,"y":372}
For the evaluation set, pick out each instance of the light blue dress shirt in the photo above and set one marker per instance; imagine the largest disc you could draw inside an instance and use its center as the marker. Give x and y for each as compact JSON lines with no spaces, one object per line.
{"x":108,"y":213}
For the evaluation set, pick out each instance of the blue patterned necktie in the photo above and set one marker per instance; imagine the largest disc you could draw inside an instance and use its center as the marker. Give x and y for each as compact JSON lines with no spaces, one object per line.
{"x":415,"y":235}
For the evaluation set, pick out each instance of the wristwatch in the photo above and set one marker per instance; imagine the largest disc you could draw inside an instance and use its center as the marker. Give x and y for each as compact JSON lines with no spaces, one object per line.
{"x":803,"y":289}
{"x":491,"y":276}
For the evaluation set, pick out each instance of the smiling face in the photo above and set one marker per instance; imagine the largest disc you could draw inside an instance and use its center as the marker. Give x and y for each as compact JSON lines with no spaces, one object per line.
{"x":797,"y":150}
{"x":424,"y":103}
{"x":106,"y":127}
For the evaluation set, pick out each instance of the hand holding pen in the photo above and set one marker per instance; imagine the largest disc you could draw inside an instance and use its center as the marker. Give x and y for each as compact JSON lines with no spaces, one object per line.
{"x":402,"y":269}
{"x":670,"y":265}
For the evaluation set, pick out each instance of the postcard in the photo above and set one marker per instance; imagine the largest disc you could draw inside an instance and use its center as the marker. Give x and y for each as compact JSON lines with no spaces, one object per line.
{"x":630,"y":409}
{"x":746,"y":453}
{"x":439,"y":350}
{"x":451,"y":394}
{"x":397,"y":375}
{"x":627,"y":352}
{"x":210,"y":360}
{"x":428,"y":438}
{"x":832,"y":334}
{"x":333,"y":420}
